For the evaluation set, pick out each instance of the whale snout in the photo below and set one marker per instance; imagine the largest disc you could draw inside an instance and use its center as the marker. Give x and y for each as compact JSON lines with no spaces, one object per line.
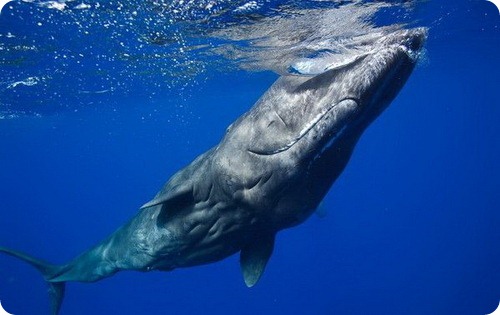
{"x":415,"y":39}
{"x":412,"y":40}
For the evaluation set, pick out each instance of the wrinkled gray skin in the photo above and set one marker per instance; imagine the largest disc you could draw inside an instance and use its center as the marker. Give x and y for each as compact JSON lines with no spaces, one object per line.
{"x":269,"y":172}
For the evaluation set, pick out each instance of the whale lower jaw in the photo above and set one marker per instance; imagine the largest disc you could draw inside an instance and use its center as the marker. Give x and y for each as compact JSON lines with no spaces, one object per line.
{"x":347,"y":102}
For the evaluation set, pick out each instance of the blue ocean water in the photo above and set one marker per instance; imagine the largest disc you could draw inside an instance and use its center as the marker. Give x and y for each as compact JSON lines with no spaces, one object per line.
{"x":95,"y":118}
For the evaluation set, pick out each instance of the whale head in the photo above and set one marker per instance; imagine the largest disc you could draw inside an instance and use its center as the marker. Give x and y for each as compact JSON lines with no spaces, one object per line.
{"x":302,"y":131}
{"x":302,"y":115}
{"x":372,"y":82}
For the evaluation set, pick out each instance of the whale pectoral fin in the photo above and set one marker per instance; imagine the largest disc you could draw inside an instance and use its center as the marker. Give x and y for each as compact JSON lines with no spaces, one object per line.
{"x":254,"y":257}
{"x":175,"y":195}
{"x":173,"y":201}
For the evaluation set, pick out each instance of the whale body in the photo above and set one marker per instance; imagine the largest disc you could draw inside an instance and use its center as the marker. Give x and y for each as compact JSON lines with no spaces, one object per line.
{"x":270,"y":171}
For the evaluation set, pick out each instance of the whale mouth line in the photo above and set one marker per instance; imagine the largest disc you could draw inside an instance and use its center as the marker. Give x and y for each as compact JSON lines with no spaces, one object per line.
{"x":310,"y":126}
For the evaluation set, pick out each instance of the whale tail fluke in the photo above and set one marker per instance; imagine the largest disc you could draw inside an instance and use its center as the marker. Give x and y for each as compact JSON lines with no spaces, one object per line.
{"x":49,"y":271}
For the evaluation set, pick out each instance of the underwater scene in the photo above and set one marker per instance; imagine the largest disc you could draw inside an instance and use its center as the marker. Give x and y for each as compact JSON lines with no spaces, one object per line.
{"x":249,"y":157}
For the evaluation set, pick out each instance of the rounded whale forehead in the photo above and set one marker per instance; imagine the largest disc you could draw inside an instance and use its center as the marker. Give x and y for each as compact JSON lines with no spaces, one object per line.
{"x":413,"y":39}
{"x":295,"y":104}
{"x":390,"y":60}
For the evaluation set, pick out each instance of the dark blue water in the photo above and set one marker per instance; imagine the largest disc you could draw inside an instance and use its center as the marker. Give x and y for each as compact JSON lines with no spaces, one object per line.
{"x":412,"y":225}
